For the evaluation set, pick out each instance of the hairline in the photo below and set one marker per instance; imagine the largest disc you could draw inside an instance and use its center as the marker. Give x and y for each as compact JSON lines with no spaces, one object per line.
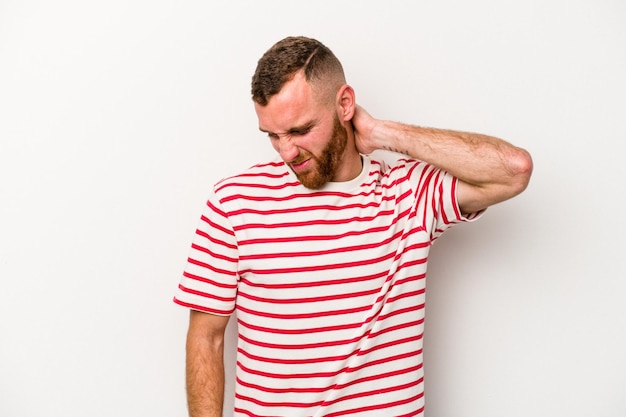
{"x":324,"y":83}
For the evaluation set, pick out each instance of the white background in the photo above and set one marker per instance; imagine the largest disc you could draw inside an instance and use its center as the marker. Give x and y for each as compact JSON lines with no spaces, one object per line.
{"x":116,"y":117}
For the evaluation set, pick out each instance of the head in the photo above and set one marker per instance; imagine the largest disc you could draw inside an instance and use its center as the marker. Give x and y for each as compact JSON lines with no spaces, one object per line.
{"x":305,"y":107}
{"x":321,"y":68}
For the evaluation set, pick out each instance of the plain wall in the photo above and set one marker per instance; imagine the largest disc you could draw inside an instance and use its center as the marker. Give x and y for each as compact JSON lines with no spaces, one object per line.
{"x":116,"y":118}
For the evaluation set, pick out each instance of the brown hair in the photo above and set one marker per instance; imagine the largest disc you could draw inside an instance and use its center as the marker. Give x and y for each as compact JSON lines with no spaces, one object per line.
{"x":290,"y":55}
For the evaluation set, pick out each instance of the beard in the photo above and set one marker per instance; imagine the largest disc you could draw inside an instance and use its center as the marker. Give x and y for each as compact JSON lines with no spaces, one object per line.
{"x":328,"y":162}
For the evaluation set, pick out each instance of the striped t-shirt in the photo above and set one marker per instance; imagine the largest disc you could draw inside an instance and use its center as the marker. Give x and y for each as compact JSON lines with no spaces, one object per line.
{"x":328,"y":285}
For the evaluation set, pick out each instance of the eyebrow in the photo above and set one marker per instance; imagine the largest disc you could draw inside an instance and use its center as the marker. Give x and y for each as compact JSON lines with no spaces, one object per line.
{"x":295,"y":129}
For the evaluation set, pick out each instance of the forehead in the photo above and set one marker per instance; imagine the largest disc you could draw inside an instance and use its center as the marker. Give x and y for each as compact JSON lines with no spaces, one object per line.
{"x":296,"y":104}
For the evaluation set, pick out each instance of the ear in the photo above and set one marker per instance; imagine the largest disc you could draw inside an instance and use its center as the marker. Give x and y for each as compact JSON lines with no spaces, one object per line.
{"x":346,"y":103}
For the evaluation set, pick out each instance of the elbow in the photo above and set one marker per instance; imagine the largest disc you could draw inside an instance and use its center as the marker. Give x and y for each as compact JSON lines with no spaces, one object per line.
{"x":521,"y":167}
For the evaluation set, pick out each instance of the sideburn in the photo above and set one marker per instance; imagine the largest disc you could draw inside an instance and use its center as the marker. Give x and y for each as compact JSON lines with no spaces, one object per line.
{"x":333,"y":153}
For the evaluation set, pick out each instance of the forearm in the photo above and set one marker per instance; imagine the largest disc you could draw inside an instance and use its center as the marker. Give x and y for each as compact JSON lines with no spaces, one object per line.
{"x":474,"y":158}
{"x":205,"y":377}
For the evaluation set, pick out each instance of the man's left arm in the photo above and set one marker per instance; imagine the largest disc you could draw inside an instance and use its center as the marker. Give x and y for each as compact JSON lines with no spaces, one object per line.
{"x":490,"y":170}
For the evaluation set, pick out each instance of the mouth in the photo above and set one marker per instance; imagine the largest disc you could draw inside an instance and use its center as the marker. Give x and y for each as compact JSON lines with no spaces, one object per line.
{"x":300,"y":166}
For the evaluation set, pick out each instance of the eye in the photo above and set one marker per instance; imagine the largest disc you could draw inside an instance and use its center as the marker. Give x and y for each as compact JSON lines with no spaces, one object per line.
{"x":301,"y":132}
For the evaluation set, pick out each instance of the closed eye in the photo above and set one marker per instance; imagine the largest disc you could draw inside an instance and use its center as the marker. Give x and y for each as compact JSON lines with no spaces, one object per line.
{"x":296,"y":131}
{"x":300,"y":132}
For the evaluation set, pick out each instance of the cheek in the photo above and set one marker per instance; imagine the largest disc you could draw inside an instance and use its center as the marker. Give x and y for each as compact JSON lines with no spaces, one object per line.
{"x":317,"y":141}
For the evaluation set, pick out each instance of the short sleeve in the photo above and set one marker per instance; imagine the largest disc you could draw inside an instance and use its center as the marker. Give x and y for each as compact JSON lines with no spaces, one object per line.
{"x":209,"y":281}
{"x":435,"y":198}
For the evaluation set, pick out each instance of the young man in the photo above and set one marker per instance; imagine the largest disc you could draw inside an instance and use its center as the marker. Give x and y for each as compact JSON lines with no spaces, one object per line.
{"x":323,"y":251}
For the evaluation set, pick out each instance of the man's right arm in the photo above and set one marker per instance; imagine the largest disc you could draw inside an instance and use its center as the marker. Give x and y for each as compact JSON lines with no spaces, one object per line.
{"x":205,"y":364}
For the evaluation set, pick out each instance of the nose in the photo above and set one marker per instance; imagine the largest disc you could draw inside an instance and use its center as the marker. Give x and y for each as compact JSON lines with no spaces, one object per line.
{"x":287,"y":149}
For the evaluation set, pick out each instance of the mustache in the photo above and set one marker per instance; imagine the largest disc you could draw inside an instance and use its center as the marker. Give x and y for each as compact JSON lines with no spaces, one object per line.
{"x":303,"y":156}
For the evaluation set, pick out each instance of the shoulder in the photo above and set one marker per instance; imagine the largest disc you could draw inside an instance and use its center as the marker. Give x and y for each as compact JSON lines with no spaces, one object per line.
{"x":255,"y":186}
{"x":266,"y":174}
{"x":397,"y":167}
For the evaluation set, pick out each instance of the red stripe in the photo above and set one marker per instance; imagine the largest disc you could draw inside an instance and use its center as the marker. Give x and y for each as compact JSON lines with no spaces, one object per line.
{"x":408,"y":295}
{"x":400,"y":326}
{"x":206,"y":295}
{"x":262,"y":174}
{"x":328,"y":313}
{"x":303,"y":316}
{"x":216,"y":226}
{"x":332,"y":373}
{"x":258,"y":174}
{"x":209,"y":281}
{"x":277,"y":404}
{"x":377,"y":391}
{"x":399,"y":311}
{"x":318,"y":329}
{"x":330,"y":387}
{"x":326,"y":207}
{"x":379,"y":407}
{"x":308,"y":299}
{"x":318,"y":267}
{"x":367,"y":334}
{"x":302,"y":331}
{"x":385,"y":360}
{"x":318,"y":345}
{"x":320,"y":222}
{"x":217,"y":241}
{"x":455,"y":204}
{"x":412,"y":263}
{"x":313,"y":194}
{"x":341,"y":326}
{"x":344,"y":412}
{"x":282,"y":390}
{"x":307,"y":284}
{"x":417,"y":413}
{"x":410,"y":279}
{"x":294,"y":361}
{"x":258,"y":185}
{"x":291,"y":375}
{"x":202,"y":308}
{"x":213,"y":254}
{"x":406,"y":249}
{"x":409,"y":339}
{"x":325,"y":237}
{"x":212,"y":268}
{"x":357,"y":352}
{"x":421,"y":191}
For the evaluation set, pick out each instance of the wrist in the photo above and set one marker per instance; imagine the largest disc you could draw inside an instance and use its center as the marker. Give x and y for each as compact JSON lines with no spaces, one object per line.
{"x":385,"y":136}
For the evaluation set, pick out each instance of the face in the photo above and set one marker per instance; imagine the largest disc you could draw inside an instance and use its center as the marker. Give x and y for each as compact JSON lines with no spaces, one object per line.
{"x":322,"y":168}
{"x":307,"y":134}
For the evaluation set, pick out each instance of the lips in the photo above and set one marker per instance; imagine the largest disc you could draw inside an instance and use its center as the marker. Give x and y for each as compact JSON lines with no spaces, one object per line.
{"x":300,"y":166}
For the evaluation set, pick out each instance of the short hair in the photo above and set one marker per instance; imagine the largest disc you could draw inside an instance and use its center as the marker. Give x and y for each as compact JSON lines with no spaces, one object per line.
{"x":288,"y":56}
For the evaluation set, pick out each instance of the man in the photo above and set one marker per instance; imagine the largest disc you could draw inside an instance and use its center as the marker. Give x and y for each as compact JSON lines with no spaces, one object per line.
{"x":322,"y":252}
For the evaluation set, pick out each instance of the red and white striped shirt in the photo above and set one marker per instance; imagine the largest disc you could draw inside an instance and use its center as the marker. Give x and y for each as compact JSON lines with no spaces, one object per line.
{"x":328,"y":285}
